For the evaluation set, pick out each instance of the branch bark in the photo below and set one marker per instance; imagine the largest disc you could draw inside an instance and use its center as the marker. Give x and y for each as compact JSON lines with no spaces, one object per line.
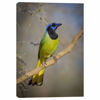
{"x":52,"y":61}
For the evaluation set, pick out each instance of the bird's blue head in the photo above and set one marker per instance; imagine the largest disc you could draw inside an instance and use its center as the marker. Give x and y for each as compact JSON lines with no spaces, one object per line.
{"x":53,"y":26}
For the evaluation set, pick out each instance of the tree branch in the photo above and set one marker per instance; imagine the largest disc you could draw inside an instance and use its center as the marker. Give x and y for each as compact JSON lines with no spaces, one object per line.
{"x":52,"y":61}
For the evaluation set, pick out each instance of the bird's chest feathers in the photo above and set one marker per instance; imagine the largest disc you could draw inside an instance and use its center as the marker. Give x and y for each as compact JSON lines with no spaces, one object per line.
{"x":52,"y":42}
{"x":49,"y":45}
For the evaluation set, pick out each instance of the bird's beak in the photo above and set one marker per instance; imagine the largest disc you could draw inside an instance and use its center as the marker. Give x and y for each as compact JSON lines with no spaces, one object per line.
{"x":59,"y":24}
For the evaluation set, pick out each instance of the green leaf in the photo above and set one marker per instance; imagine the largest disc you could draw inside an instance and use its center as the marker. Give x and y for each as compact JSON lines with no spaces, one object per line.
{"x":40,"y":10}
{"x":40,"y":18}
{"x":31,"y":14}
{"x":22,"y":66}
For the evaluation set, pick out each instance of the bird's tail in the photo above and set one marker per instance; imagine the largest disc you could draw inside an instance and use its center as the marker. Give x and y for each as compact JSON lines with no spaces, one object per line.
{"x":38,"y":78}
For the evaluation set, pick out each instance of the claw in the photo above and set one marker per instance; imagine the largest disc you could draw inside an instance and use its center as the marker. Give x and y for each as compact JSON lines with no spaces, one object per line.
{"x":45,"y":64}
{"x":54,"y":57}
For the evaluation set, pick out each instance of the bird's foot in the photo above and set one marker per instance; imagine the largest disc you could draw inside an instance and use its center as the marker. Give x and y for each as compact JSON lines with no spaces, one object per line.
{"x":45,"y":64}
{"x":54,"y":57}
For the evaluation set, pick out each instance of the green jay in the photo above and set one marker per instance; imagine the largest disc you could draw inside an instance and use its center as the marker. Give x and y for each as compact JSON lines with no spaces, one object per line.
{"x":47,"y":48}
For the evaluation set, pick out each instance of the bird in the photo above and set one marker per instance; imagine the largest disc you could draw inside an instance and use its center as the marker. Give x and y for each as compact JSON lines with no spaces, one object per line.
{"x":48,"y":46}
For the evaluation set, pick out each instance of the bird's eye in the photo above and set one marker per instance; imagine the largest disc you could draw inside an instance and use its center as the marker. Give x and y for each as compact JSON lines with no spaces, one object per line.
{"x":53,"y":24}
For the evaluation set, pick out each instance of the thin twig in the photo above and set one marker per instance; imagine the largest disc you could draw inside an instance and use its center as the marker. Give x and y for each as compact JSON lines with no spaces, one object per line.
{"x":41,"y":18}
{"x":52,"y":61}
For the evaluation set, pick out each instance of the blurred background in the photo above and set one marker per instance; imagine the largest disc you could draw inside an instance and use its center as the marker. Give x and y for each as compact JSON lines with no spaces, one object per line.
{"x":65,"y":77}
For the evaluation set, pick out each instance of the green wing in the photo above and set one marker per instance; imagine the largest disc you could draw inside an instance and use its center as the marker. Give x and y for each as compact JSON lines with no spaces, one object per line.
{"x":41,"y":44}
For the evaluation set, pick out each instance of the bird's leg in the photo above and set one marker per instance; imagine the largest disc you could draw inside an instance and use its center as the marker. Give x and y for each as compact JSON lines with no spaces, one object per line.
{"x":45,"y":64}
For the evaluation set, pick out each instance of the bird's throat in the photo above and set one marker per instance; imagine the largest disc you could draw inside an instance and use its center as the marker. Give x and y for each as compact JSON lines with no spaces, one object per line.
{"x":53,"y":35}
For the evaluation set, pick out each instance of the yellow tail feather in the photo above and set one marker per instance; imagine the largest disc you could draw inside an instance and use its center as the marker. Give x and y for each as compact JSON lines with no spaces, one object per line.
{"x":38,"y":78}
